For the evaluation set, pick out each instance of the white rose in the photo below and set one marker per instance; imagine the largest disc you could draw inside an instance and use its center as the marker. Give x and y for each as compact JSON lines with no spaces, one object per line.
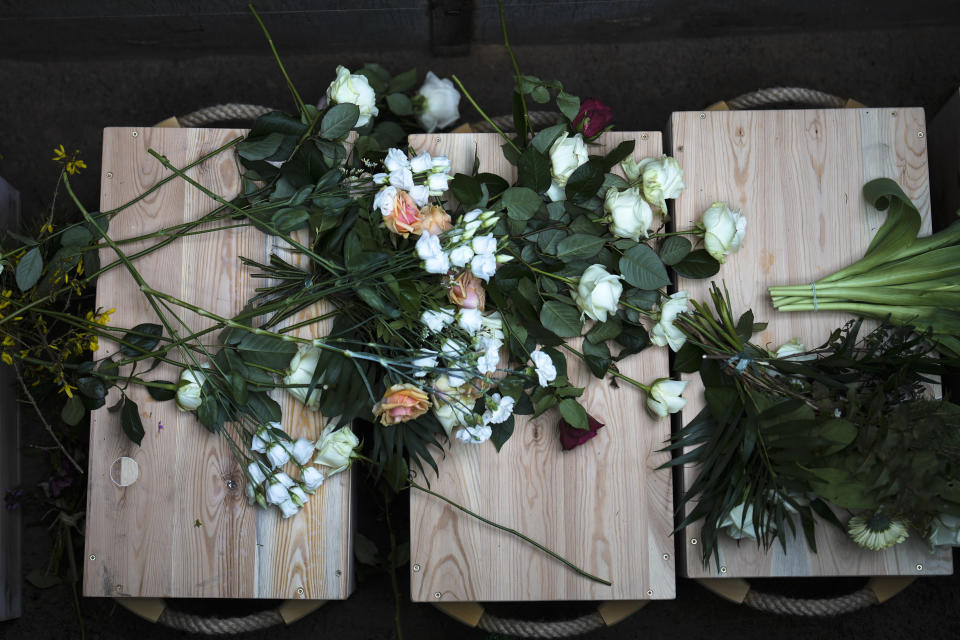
{"x":255,"y":473}
{"x":277,"y":493}
{"x":431,"y":252}
{"x":723,"y":230}
{"x":566,"y":155}
{"x":260,"y":441}
{"x":312,"y":478}
{"x":546,"y":371}
{"x":420,"y":195}
{"x":484,"y":266}
{"x":189,"y":391}
{"x":664,"y":332}
{"x":302,"y":366}
{"x":335,"y":450}
{"x":402,"y":179}
{"x":440,"y":164}
{"x":662,"y":179}
{"x":278,"y":455}
{"x":421,"y":163}
{"x":460,"y":256}
{"x":945,"y":531}
{"x":631,"y":215}
{"x":302,"y":450}
{"x":664,"y":397}
{"x":288,"y":508}
{"x":437,"y":183}
{"x":284,"y":479}
{"x":791,"y":349}
{"x":484,"y":244}
{"x":395,"y":160}
{"x":354,"y":89}
{"x":441,"y":103}
{"x":598,"y":293}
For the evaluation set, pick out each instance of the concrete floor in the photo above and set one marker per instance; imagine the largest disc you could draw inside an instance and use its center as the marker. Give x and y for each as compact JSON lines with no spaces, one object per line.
{"x":69,"y":96}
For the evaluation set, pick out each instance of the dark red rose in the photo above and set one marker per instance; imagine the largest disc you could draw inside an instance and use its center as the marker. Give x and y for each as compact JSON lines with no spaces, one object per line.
{"x":571,"y":438}
{"x":593,"y":117}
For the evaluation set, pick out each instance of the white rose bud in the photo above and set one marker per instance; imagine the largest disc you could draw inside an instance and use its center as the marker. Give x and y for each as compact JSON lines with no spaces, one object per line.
{"x":441,"y":103}
{"x":354,"y":89}
{"x":255,"y":473}
{"x":631,"y":215}
{"x":260,"y":441}
{"x":484,"y":266}
{"x":789,"y":349}
{"x":437,"y":183}
{"x":284,"y":479}
{"x":299,"y":496}
{"x":189,"y":395}
{"x":277,"y":455}
{"x":335,"y":450}
{"x":664,"y":332}
{"x":598,"y":293}
{"x":312,"y":478}
{"x":421,"y":163}
{"x":277,"y":493}
{"x":302,"y":450}
{"x":288,"y":508}
{"x":662,"y":179}
{"x":664,"y":397}
{"x":302,"y":366}
{"x":723,"y":230}
{"x":461,"y":256}
{"x":566,"y":155}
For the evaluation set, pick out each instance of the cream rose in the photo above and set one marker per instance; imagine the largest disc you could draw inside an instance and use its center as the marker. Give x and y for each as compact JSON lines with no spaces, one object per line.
{"x":336,"y":450}
{"x":566,"y":154}
{"x":598,"y":293}
{"x":441,"y":103}
{"x":302,"y":366}
{"x":630,"y":215}
{"x":189,"y":391}
{"x":662,"y":179}
{"x":664,"y":332}
{"x":355,"y":89}
{"x":664,"y":397}
{"x":723,"y":230}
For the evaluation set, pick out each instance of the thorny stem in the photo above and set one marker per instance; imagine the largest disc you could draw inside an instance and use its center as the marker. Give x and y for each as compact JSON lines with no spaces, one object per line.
{"x":46,"y":424}
{"x":483,"y":114}
{"x":296,"y":96}
{"x":514,"y":532}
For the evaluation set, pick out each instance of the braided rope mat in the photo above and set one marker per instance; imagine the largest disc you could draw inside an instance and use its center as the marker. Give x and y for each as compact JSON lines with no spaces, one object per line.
{"x":193,"y":623}
{"x":535,"y":629}
{"x":786,"y":95}
{"x":823,"y":607}
{"x":221,"y":112}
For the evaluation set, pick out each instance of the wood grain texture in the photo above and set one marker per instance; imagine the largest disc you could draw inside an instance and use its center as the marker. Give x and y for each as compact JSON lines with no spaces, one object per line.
{"x":602,"y":506}
{"x":798,"y":177}
{"x":142,"y":540}
{"x":10,"y":521}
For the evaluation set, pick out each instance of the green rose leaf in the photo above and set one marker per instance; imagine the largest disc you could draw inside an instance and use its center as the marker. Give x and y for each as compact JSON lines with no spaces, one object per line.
{"x":545,"y":138}
{"x":339,"y":120}
{"x":585,"y":181}
{"x":533,"y":170}
{"x":574,"y":414}
{"x":521,"y":203}
{"x":266,"y":351}
{"x":466,"y":189}
{"x":501,"y":432}
{"x":76,"y":237}
{"x":399,"y":104}
{"x":162,"y":395}
{"x":603,"y":331}
{"x":675,"y":249}
{"x":597,"y":357}
{"x":697,"y":265}
{"x":569,"y":105}
{"x":641,"y":267}
{"x":130,"y":421}
{"x":688,"y":358}
{"x":403,"y":81}
{"x":29,"y":269}
{"x":579,"y":246}
{"x":260,"y":148}
{"x":562,"y":319}
{"x":143,"y":338}
{"x":620,"y":152}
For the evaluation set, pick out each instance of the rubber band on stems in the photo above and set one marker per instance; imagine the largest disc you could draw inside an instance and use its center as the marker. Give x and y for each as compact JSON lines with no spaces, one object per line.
{"x":813,"y":288}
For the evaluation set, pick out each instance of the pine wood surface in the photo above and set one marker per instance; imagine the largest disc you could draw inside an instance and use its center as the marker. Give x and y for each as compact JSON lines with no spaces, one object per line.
{"x":602,"y":506}
{"x":798,"y":177}
{"x":142,"y":540}
{"x":10,"y":520}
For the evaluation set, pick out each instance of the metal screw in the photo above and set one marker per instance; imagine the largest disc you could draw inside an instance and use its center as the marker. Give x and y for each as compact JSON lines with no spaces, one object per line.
{"x":416,"y":568}
{"x":436,"y":139}
{"x":919,"y":567}
{"x":437,"y":595}
{"x":109,"y":175}
{"x":723,"y":569}
{"x":649,"y":592}
{"x":703,"y":116}
{"x":666,"y":556}
{"x":300,"y":591}
{"x":893,"y":113}
{"x":93,"y":556}
{"x":134,"y":134}
{"x":119,"y":588}
{"x":693,"y":541}
{"x":919,"y":134}
{"x":644,"y":136}
{"x":231,"y":484}
{"x":413,"y":473}
{"x":338,"y":573}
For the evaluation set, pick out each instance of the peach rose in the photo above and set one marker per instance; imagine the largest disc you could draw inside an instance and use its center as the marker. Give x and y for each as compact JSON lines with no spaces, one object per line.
{"x":466,"y":291}
{"x":400,"y":403}
{"x":433,"y":219}
{"x":403,"y":217}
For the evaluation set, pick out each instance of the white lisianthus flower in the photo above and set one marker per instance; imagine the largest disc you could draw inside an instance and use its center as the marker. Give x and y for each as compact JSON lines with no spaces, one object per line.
{"x":255,"y":473}
{"x":336,"y":449}
{"x":441,"y":103}
{"x":278,"y":455}
{"x":302,"y":367}
{"x":302,"y":450}
{"x":284,"y":479}
{"x":380,"y":178}
{"x":431,"y":252}
{"x":484,"y":266}
{"x":427,"y":361}
{"x":299,"y":496}
{"x":945,"y":531}
{"x":288,"y":508}
{"x":437,"y":183}
{"x":312,"y":478}
{"x":421,"y":163}
{"x":260,"y":441}
{"x":189,"y":390}
{"x":483,"y":245}
{"x":461,"y":256}
{"x":384,"y":200}
{"x":664,"y":397}
{"x":440,"y":164}
{"x":435,"y":321}
{"x":631,"y":215}
{"x":739,"y":523}
{"x":277,"y":493}
{"x":503,"y":407}
{"x":475,"y":434}
{"x":664,"y":332}
{"x":470,"y":320}
{"x":420,"y":195}
{"x":723,"y":230}
{"x":662,"y":179}
{"x":402,"y":179}
{"x":396,"y":160}
{"x":567,"y":153}
{"x":598,"y":293}
{"x":546,"y":371}
{"x":355,"y":89}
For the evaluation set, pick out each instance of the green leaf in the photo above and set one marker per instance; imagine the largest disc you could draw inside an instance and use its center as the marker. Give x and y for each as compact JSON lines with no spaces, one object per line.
{"x":546,"y":137}
{"x":29,"y":269}
{"x":388,"y":134}
{"x":403,"y":81}
{"x":399,"y":104}
{"x":574,"y":414}
{"x":501,"y":432}
{"x":365,"y":550}
{"x":77,"y":236}
{"x":133,"y":344}
{"x":842,"y":489}
{"x":903,"y":220}
{"x":260,"y":148}
{"x":603,"y":331}
{"x":569,"y":105}
{"x":130,"y":421}
{"x":339,"y":120}
{"x":579,"y":246}
{"x":466,"y":189}
{"x":562,"y":319}
{"x":675,"y":249}
{"x":290,"y":219}
{"x":688,"y":358}
{"x":42,"y":580}
{"x":620,"y":152}
{"x":642,"y":268}
{"x":162,"y":395}
{"x":73,"y":411}
{"x":266,"y":351}
{"x":92,"y":387}
{"x":533,"y":170}
{"x":521,"y":203}
{"x":585,"y":181}
{"x":597,"y":357}
{"x":540,"y":94}
{"x":698,"y":265}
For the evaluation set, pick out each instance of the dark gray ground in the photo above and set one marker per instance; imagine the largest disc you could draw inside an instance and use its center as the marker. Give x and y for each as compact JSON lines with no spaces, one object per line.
{"x":70,"y":95}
